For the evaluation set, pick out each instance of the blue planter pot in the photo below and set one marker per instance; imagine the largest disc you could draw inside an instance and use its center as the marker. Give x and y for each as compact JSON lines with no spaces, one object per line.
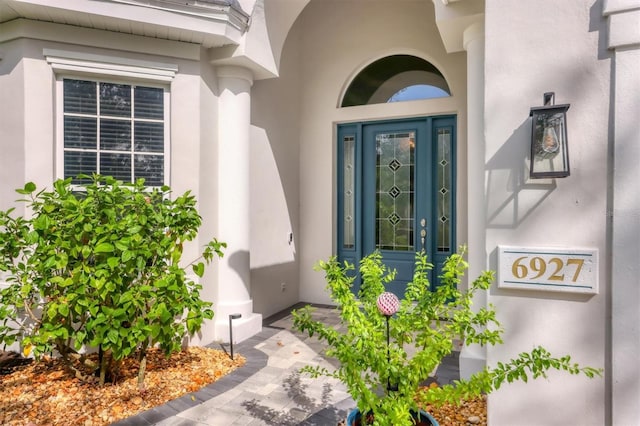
{"x":423,"y":416}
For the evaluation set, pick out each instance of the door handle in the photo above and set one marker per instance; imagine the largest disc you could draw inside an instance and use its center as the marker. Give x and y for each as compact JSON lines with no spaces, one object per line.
{"x":423,"y":231}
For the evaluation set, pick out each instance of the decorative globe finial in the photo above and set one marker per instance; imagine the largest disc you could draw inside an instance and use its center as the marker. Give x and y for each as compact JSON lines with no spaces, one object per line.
{"x":388,"y":303}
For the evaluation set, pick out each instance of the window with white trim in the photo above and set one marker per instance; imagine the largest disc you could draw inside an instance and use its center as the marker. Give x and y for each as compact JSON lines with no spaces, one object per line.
{"x":114,"y":129}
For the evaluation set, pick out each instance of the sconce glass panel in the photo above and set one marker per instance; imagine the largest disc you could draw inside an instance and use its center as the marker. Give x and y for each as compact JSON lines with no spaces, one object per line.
{"x":549,"y":145}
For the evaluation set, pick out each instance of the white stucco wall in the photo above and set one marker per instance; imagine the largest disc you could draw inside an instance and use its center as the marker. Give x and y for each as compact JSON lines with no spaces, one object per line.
{"x":11,"y":124}
{"x":275,"y":150}
{"x":26,"y":124}
{"x":334,"y":47}
{"x":561,"y":52}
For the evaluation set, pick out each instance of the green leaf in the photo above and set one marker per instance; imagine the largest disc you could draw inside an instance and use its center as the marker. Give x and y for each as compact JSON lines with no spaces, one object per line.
{"x":113,"y":262}
{"x":192,"y":325}
{"x":104,"y":248}
{"x":52,"y":310}
{"x":113,"y":336}
{"x":165,"y":315}
{"x":127,"y":255}
{"x":135,"y":229}
{"x":29,"y":187}
{"x":63,"y":309}
{"x":122,"y":245}
{"x":140,"y":262}
{"x":198,"y":269}
{"x":155,"y":331}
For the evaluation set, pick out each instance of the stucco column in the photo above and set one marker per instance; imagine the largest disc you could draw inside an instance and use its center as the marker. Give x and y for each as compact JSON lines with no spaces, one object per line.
{"x":473,"y":358}
{"x":234,"y":274}
{"x":624,"y":39}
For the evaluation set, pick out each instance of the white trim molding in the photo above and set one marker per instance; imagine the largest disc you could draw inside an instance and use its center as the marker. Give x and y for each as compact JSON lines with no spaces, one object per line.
{"x":66,"y":61}
{"x":236,"y":72}
{"x":623,"y":38}
{"x":623,"y":20}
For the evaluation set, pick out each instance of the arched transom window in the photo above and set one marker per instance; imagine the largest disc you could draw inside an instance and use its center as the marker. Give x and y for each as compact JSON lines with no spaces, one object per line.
{"x":396,"y":78}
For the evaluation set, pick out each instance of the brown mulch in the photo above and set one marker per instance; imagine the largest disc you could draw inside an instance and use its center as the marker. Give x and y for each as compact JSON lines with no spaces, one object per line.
{"x":45,"y":393}
{"x":468,"y":413}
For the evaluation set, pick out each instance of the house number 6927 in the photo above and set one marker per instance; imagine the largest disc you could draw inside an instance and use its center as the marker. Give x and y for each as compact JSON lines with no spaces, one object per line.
{"x":553,"y":269}
{"x":572,"y":270}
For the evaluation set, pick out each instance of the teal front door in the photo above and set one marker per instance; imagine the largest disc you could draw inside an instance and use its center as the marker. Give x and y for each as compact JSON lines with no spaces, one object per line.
{"x":396,"y":193}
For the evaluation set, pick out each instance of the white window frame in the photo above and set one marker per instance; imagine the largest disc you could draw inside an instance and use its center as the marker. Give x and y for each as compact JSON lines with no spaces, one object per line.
{"x":107,"y":69}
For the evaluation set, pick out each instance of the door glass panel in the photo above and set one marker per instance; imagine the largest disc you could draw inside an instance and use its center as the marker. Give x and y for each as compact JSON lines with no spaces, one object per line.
{"x":348,"y":202}
{"x":395,"y":159}
{"x":443,"y":194}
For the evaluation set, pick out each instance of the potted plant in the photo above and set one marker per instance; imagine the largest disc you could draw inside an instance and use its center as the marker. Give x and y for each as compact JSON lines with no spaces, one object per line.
{"x":390,"y":347}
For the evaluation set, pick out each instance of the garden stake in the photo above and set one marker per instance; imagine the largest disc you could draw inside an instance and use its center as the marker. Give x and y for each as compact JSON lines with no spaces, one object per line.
{"x":389,"y":388}
{"x":388,"y":305}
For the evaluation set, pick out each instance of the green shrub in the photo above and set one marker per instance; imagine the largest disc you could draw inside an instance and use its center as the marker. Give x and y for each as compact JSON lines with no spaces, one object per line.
{"x":100,"y":267}
{"x":386,"y":380}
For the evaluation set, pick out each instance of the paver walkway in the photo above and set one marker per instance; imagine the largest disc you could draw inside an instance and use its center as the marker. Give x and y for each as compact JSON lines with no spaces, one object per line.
{"x":269,"y":390}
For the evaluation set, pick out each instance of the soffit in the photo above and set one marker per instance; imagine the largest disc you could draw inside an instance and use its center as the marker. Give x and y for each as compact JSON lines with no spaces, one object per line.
{"x":210,"y":23}
{"x":453,"y":17}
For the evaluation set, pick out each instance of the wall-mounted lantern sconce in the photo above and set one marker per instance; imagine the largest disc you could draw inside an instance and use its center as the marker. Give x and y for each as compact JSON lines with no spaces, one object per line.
{"x":549,"y":144}
{"x":231,"y":318}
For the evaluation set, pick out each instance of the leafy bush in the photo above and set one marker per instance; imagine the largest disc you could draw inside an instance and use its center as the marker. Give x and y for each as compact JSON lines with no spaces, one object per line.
{"x":386,"y":380}
{"x":100,"y":267}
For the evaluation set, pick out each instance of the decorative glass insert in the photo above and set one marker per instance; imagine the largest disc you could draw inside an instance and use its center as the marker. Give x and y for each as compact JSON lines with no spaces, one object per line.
{"x":348,"y":191}
{"x":114,"y":129}
{"x":395,"y":164}
{"x":443,"y":194}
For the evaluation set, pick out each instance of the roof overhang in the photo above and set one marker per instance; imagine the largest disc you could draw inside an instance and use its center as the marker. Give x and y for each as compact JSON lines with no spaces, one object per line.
{"x":210,"y":23}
